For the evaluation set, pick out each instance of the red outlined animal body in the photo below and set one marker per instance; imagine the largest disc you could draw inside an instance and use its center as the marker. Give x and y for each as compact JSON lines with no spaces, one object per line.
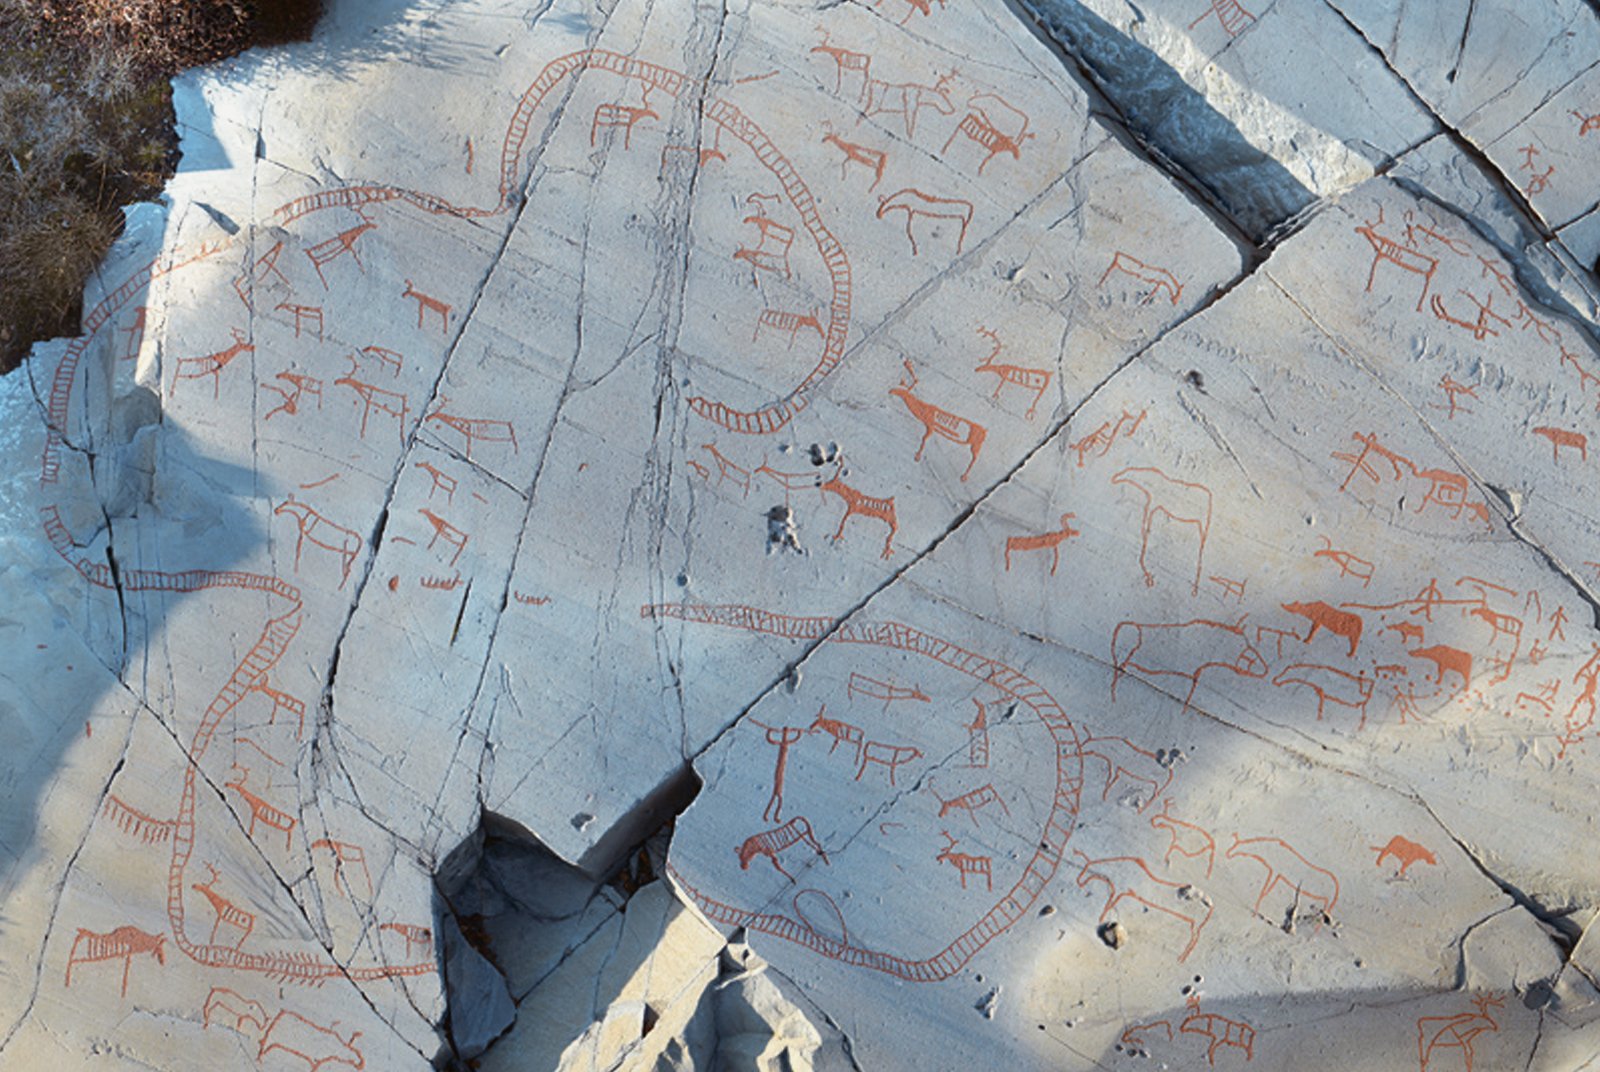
{"x":1179,"y":501}
{"x":1100,"y":440}
{"x":1171,"y":650}
{"x":1453,"y":393}
{"x":1322,"y":616}
{"x":392,"y":403}
{"x":1052,"y":540}
{"x":233,"y":1010}
{"x":1387,"y":249}
{"x":1219,"y":1029}
{"x":280,"y":703}
{"x":1185,"y":839}
{"x":875,"y":160}
{"x":1230,"y":13}
{"x":389,"y":359}
{"x":1048,"y":845}
{"x":441,"y":481}
{"x":771,"y":251}
{"x":934,"y":420}
{"x":1159,"y":279}
{"x":312,"y":1043}
{"x":260,"y":811}
{"x":1559,"y":438}
{"x":1285,"y":865}
{"x":770,"y":843}
{"x":965,"y":864}
{"x":299,"y":384}
{"x":1126,"y":760}
{"x":427,"y":304}
{"x":841,"y":732}
{"x":790,"y":482}
{"x":1407,"y":852}
{"x":442,"y":529}
{"x":915,"y":203}
{"x":345,"y":855}
{"x":612,"y":116}
{"x":227,"y":912}
{"x":475,"y":428}
{"x":866,"y":506}
{"x":983,"y":125}
{"x":126,"y":942}
{"x":888,"y":755}
{"x":971,"y":801}
{"x":1444,"y":659}
{"x":321,"y":532}
{"x":1349,"y":565}
{"x":308,"y":316}
{"x":1133,"y":1036}
{"x":1129,"y":879}
{"x":1345,"y":689}
{"x":413,"y":935}
{"x":882,"y":690}
{"x":337,"y":246}
{"x":256,"y":274}
{"x":192,"y":368}
{"x":780,"y":320}
{"x":1456,"y":1032}
{"x":727,"y":470}
{"x":906,"y":99}
{"x":845,"y":60}
{"x":1035,"y":380}
{"x":1480,"y":327}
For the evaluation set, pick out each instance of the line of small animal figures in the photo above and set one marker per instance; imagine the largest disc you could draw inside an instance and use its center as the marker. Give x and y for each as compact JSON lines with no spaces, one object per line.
{"x":1434,"y":1033}
{"x":1128,"y":878}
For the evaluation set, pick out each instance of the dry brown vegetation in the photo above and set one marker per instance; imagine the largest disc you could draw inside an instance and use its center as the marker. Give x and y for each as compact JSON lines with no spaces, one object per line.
{"x":86,"y":126}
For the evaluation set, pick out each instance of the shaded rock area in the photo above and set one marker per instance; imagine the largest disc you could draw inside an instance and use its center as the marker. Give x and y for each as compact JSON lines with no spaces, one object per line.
{"x":968,"y":535}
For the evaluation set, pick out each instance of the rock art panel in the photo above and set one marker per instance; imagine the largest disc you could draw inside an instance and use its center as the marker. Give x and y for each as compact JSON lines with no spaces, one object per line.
{"x":1090,"y":636}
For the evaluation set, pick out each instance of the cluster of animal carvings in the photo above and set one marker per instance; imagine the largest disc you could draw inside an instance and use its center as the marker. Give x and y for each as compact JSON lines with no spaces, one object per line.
{"x":966,"y":798}
{"x":1488,"y":306}
{"x":1365,"y":648}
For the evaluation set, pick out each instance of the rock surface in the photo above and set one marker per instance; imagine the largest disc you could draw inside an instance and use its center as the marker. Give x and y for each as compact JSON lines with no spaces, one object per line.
{"x":1093,"y":512}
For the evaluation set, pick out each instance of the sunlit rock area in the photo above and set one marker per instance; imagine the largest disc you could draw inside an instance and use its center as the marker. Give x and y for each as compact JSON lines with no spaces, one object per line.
{"x":944,"y":534}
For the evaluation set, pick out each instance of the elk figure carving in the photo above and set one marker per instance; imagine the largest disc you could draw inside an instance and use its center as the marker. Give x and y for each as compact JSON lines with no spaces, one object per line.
{"x":934,"y":420}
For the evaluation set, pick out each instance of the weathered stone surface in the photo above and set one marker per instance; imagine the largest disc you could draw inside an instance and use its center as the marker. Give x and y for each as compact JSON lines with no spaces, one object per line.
{"x":1087,"y":638}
